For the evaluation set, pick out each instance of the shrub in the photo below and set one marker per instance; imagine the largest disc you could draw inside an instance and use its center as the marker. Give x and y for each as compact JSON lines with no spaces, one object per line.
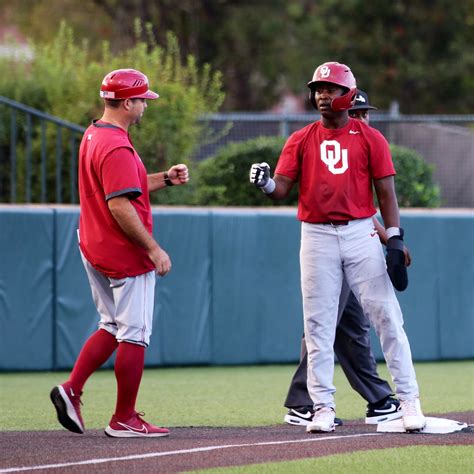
{"x":222,"y":180}
{"x":414,"y":179}
{"x":63,"y":79}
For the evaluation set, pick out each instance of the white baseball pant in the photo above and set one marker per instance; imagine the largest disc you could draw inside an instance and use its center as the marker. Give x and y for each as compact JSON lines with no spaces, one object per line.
{"x":125,"y":305}
{"x":328,"y":254}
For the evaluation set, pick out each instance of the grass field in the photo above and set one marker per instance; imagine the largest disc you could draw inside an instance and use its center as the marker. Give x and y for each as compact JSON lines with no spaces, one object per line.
{"x":214,"y":396}
{"x":416,"y":460}
{"x":248,"y":396}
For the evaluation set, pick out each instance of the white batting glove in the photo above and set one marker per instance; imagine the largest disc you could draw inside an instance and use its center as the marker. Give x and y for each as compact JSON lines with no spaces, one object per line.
{"x":260,"y":177}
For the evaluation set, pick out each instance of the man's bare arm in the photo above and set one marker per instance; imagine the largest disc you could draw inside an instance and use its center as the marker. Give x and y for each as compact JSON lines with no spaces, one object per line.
{"x":127,"y":218}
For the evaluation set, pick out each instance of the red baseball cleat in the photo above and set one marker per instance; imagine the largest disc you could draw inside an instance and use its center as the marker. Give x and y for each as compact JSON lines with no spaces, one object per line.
{"x":134,"y":427}
{"x":68,"y":407}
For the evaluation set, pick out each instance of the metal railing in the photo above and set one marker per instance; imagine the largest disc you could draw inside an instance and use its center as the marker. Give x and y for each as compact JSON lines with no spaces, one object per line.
{"x":23,"y":128}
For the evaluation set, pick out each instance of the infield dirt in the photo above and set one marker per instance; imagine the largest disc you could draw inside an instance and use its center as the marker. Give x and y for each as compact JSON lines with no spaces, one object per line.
{"x":190,"y":448}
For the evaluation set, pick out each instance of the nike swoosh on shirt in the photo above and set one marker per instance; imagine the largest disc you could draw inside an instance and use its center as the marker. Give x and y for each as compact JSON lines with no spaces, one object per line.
{"x":353,"y":132}
{"x":392,"y":408}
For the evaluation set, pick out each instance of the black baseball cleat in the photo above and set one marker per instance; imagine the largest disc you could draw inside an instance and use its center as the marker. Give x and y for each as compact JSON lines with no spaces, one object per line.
{"x":302,"y":416}
{"x":385,"y":410}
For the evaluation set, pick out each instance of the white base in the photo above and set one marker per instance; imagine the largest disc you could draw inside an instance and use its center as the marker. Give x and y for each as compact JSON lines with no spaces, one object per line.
{"x":433,"y":425}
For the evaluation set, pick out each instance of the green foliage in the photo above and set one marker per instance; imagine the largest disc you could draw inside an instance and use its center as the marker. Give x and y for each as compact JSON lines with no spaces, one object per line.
{"x":421,"y":49}
{"x":222,"y":180}
{"x":413,"y":52}
{"x":414,"y":179}
{"x":64,"y":78}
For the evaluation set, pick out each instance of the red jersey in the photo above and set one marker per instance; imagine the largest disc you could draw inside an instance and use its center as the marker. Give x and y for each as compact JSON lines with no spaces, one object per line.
{"x":109,"y":167}
{"x":335,"y":169}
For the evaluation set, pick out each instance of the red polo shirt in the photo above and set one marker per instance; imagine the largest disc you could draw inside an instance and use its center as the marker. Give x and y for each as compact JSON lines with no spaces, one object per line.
{"x":109,"y":167}
{"x":335,"y":169}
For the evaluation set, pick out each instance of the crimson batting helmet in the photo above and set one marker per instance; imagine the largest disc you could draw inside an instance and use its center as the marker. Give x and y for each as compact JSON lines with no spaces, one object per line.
{"x":126,"y":84}
{"x":339,"y":74}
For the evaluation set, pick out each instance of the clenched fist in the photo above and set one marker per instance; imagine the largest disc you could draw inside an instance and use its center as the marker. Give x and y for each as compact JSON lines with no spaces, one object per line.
{"x":178,"y":174}
{"x":260,"y":174}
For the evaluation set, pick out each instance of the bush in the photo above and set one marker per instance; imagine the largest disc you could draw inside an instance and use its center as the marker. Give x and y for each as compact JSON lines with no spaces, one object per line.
{"x":64,"y":76}
{"x":222,"y":180}
{"x":414,"y":179}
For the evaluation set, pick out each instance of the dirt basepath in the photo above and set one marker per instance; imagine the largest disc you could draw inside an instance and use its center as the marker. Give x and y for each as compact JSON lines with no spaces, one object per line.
{"x":191,"y":448}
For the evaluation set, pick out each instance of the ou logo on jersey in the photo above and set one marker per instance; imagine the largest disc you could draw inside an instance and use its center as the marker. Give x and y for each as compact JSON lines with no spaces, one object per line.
{"x":332,"y":155}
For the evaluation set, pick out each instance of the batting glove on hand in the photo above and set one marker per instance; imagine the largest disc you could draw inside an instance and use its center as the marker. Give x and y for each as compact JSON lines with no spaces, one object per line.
{"x":397,"y":271}
{"x":260,"y":174}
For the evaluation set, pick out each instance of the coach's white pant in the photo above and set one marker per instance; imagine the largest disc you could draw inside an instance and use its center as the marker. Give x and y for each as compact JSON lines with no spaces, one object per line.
{"x":125,"y":305}
{"x":327,"y":254}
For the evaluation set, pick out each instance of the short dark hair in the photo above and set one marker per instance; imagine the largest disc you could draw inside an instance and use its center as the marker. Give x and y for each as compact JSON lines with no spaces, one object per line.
{"x":113,"y":103}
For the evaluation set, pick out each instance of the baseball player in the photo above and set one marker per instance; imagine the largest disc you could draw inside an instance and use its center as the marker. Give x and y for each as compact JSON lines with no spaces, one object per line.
{"x":336,"y":161}
{"x":351,"y":345}
{"x":119,"y":253}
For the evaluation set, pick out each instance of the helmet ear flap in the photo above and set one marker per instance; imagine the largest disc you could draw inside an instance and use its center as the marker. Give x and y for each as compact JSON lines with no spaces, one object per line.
{"x":344,"y":102}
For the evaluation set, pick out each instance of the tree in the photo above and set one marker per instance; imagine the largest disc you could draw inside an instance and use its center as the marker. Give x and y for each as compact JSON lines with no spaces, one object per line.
{"x":415,"y":52}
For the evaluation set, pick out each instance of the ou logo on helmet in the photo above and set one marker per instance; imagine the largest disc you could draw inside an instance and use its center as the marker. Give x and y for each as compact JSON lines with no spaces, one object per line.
{"x":331,"y":155}
{"x":325,"y":72}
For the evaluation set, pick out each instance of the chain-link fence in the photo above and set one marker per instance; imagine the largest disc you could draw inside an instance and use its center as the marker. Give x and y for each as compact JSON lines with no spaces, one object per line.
{"x":446,"y":141}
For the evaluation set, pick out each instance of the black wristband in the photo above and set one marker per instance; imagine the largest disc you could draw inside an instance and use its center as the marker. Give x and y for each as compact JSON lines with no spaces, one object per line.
{"x":168,"y":181}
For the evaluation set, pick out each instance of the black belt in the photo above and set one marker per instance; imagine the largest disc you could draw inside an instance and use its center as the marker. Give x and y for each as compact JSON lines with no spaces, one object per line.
{"x":333,"y":222}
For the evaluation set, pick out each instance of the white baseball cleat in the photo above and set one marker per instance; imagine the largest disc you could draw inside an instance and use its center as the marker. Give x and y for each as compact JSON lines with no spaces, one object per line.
{"x":323,"y":421}
{"x":413,"y":418}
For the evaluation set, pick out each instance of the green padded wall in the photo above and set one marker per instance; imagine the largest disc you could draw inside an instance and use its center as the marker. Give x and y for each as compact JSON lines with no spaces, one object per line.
{"x":182,"y":320}
{"x":438,"y":305}
{"x":76,"y":316}
{"x":26,"y":288}
{"x":233,"y":295}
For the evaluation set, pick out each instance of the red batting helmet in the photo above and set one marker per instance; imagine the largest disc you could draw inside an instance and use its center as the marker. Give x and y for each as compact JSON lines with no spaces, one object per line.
{"x":126,"y":84}
{"x":339,"y":74}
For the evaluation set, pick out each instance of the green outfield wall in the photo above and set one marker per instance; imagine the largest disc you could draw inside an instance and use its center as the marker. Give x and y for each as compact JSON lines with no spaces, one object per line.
{"x":233,"y":295}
